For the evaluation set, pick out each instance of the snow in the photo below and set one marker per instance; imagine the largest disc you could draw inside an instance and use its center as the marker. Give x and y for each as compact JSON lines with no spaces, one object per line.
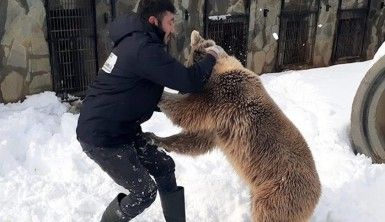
{"x":45,"y":176}
{"x":219,"y":17}
{"x":379,"y":54}
{"x":275,"y":35}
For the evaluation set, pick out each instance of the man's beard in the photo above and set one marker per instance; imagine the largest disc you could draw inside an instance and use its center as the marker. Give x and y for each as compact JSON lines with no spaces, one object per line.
{"x":169,"y":38}
{"x":159,"y":32}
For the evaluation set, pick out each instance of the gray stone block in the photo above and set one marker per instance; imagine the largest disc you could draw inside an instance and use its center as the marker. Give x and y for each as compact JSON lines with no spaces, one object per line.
{"x":17,"y":56}
{"x":39,"y":45}
{"x":12,"y":87}
{"x":40,"y":65}
{"x":40,"y":83}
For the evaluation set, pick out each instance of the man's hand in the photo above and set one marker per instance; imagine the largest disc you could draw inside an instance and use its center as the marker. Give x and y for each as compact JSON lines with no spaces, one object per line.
{"x":216,"y":51}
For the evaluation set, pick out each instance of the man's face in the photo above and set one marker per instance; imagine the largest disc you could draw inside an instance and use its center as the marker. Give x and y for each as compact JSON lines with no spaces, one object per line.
{"x":167,"y":25}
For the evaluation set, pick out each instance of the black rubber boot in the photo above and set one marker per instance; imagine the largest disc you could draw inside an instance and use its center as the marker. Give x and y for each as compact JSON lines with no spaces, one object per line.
{"x":173,"y":205}
{"x":113,"y":212}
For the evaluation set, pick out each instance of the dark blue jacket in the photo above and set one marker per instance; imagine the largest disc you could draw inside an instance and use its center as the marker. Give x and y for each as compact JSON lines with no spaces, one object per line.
{"x":129,"y":86}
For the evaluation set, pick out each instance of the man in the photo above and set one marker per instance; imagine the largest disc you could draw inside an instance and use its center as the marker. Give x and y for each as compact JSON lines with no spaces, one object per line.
{"x":124,"y":95}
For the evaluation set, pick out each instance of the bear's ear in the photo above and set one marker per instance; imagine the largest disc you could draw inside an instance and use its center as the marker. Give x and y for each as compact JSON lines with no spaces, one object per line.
{"x":208,"y":43}
{"x":195,"y":37}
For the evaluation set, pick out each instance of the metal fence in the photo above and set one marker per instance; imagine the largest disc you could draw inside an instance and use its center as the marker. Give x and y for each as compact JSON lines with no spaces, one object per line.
{"x":72,"y":42}
{"x":295,"y":45}
{"x":349,"y":40}
{"x":297,"y":35}
{"x":230,"y":32}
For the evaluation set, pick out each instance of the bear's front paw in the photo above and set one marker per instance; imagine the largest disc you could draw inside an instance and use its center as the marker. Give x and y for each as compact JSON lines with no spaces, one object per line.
{"x":152,"y":139}
{"x":167,"y":96}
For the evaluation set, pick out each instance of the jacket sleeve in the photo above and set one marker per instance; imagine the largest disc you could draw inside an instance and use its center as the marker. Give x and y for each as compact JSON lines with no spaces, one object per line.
{"x":156,"y":65}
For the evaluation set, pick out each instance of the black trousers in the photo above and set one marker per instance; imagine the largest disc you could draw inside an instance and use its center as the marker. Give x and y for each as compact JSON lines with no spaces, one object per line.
{"x":130,"y":166}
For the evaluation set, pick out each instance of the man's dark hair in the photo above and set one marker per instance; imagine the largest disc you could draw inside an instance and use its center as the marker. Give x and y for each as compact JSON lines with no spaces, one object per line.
{"x":157,"y":8}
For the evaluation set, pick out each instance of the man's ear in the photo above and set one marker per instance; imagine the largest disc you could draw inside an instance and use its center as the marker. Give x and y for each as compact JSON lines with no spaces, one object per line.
{"x":153,"y":20}
{"x":195,"y":37}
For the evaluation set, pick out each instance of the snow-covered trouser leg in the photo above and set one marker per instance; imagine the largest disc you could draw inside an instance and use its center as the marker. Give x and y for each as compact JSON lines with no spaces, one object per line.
{"x":162,"y":167}
{"x":158,"y":163}
{"x":125,"y":167}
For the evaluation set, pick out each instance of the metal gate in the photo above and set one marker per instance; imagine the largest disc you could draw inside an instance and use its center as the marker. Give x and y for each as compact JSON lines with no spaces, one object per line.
{"x":297,"y":35}
{"x":349,"y":40}
{"x":72,"y":42}
{"x":228,"y":31}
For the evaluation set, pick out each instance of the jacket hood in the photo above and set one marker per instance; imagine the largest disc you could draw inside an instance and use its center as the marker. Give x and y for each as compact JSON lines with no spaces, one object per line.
{"x":131,"y":23}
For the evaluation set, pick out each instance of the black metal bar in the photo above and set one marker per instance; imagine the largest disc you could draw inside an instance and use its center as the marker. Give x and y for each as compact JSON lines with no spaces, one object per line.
{"x":71,"y":28}
{"x":350,"y":35}
{"x":231,"y":33}
{"x":365,"y":27}
{"x":205,"y":18}
{"x":297,"y":35}
{"x":95,"y":36}
{"x":113,"y":9}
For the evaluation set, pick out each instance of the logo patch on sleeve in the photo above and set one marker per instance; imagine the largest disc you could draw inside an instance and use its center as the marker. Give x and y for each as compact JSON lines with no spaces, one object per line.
{"x":110,"y":63}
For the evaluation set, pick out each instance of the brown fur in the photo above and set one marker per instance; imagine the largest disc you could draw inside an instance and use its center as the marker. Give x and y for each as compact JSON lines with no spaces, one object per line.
{"x":235,"y":114}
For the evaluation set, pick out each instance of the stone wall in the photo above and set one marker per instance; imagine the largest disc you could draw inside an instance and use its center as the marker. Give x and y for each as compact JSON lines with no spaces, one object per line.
{"x":189,"y":16}
{"x":224,"y":7}
{"x":264,"y":26}
{"x":25,"y":67}
{"x":295,"y":5}
{"x":103,"y":17}
{"x":123,"y":6}
{"x":24,"y":54}
{"x":350,"y":4}
{"x":326,"y":29}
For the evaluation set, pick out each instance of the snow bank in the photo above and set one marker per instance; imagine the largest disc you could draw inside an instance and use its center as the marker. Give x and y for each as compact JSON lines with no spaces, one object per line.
{"x":45,"y":176}
{"x":380,"y":52}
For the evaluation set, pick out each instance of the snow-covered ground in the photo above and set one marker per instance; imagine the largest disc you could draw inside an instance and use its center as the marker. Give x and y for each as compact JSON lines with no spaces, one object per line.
{"x":45,"y":176}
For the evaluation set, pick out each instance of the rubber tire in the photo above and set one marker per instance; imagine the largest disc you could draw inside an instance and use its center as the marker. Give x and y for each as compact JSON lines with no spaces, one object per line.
{"x":368,"y":114}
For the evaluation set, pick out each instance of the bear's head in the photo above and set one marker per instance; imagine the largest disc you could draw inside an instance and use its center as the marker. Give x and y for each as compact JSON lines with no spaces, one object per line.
{"x":198,"y":45}
{"x":198,"y":51}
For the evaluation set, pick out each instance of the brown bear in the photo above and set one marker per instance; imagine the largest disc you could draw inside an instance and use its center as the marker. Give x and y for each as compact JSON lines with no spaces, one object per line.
{"x":235,"y":113}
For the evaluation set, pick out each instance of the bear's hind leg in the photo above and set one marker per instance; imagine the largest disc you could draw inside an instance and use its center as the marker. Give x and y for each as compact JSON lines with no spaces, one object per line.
{"x":275,"y":208}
